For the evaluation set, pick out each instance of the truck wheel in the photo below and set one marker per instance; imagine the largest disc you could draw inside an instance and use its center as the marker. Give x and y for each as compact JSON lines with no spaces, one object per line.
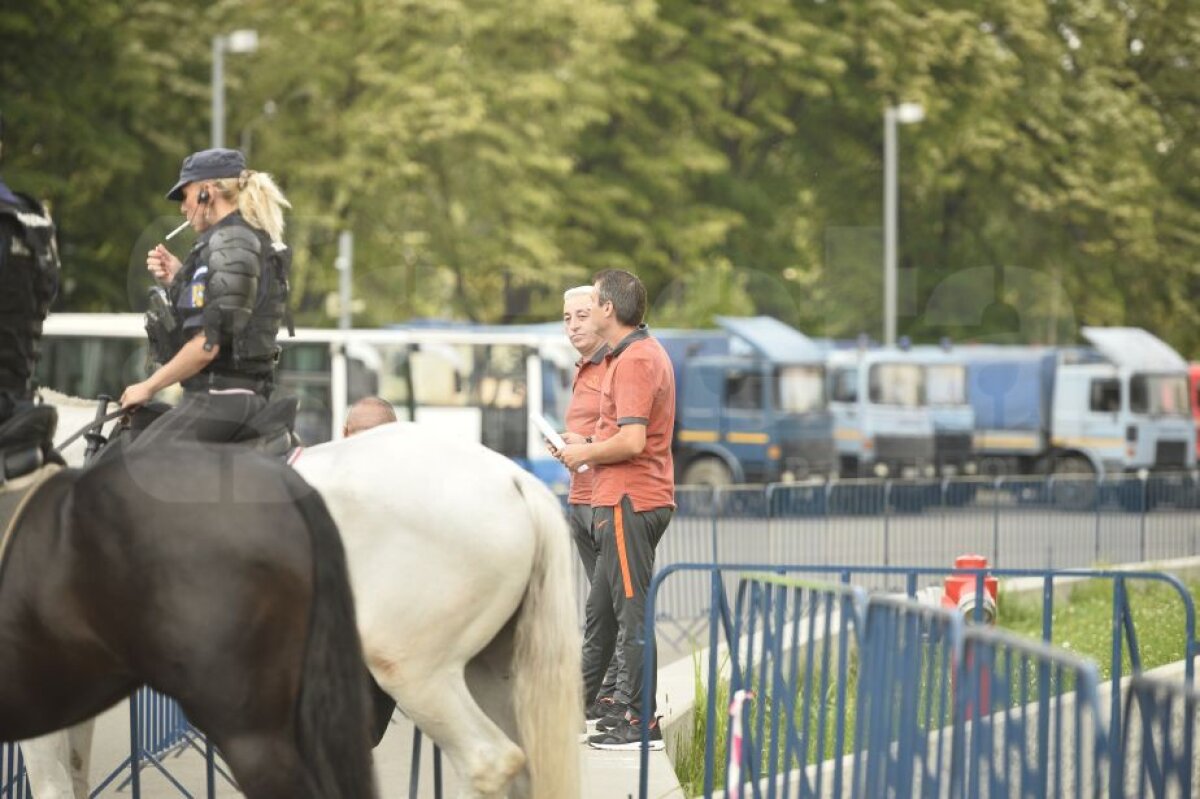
{"x":711,"y":472}
{"x":1074,"y":483}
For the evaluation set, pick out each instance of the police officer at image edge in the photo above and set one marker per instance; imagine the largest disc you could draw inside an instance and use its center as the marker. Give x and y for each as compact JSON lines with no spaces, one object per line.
{"x":29,"y":274}
{"x":212,"y":328}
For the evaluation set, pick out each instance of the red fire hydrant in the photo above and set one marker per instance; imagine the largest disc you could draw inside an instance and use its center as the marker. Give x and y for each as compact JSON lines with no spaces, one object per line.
{"x":960,"y":590}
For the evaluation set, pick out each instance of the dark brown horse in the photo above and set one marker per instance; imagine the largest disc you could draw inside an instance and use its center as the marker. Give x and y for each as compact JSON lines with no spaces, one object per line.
{"x":216,"y":577}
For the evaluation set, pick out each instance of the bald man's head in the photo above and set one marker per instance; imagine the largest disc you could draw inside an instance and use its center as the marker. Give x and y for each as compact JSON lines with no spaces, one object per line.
{"x":368,"y":412}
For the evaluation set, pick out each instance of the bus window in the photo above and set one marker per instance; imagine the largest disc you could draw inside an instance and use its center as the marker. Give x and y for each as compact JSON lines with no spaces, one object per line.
{"x":304,"y":373}
{"x":89,"y":366}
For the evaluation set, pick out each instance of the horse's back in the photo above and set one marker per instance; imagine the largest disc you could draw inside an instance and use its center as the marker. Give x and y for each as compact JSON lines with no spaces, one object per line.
{"x":423,"y":479}
{"x":436,"y":528}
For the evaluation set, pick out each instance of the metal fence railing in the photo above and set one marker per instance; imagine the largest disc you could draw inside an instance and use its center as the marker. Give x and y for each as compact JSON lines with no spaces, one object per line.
{"x":1015,"y":522}
{"x":886,"y":696}
{"x":1158,"y":747}
{"x":906,"y":699}
{"x":13,"y":782}
{"x":1029,"y":720}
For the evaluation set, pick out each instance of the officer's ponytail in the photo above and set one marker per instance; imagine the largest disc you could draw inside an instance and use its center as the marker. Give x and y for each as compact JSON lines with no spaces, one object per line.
{"x":259,"y":200}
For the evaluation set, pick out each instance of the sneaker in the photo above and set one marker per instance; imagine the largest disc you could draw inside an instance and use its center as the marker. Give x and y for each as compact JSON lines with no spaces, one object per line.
{"x":599,"y":709}
{"x":617,"y":715}
{"x":628,"y":736}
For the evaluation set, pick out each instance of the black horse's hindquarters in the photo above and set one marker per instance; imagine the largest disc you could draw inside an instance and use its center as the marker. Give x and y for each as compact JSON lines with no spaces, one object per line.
{"x":127,"y":585}
{"x":212,"y":574}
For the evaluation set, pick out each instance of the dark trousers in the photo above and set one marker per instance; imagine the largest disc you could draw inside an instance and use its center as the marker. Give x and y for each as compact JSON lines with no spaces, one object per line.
{"x":580,"y":519}
{"x":617,"y":600}
{"x":203,"y":416}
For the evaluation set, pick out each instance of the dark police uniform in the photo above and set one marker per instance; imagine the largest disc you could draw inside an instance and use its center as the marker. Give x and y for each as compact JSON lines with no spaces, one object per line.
{"x":232,"y":289}
{"x":29,"y":271}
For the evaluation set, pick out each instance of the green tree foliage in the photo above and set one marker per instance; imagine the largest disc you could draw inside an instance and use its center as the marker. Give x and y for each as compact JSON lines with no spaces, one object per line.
{"x":486,"y":156}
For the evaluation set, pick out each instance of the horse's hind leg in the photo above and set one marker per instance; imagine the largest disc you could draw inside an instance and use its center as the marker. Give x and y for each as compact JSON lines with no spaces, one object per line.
{"x":80,"y":739}
{"x":266,"y":765}
{"x":442,"y":707}
{"x":490,"y":678}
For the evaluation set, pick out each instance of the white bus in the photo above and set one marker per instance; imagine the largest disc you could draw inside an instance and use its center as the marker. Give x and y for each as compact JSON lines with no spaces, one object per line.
{"x":469,"y":382}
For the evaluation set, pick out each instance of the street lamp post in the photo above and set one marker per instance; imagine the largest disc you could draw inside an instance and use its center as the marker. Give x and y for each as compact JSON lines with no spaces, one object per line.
{"x":240,"y":41}
{"x":903,"y":114}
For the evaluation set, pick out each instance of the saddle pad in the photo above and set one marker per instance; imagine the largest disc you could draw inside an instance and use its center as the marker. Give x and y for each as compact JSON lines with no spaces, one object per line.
{"x":15,"y":496}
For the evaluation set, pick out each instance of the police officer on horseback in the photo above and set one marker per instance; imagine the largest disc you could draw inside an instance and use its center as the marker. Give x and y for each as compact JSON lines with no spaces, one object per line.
{"x":214,"y":317}
{"x":29,"y":270}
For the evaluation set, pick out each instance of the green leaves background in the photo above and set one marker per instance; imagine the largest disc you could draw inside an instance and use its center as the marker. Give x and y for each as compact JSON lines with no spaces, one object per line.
{"x":488,"y":155}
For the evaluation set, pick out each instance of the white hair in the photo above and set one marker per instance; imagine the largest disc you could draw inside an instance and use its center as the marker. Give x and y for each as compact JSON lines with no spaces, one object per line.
{"x":578,"y":291}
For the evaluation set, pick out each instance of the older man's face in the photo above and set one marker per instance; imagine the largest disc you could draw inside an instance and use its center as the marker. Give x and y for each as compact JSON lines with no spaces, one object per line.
{"x":577,"y":312}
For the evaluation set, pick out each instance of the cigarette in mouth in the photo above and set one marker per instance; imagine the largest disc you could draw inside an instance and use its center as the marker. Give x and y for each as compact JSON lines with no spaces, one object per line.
{"x":177,"y":230}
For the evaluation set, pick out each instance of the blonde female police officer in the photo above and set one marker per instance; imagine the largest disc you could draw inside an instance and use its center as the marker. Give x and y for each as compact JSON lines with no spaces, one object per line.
{"x":215,"y":334}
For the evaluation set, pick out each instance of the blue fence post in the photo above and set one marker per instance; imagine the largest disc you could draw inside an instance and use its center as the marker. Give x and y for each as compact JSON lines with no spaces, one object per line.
{"x":769,"y":495}
{"x":887,"y":528}
{"x":1145,"y":510}
{"x":135,"y":745}
{"x":996,"y":520}
{"x":713,"y":507}
{"x":414,"y":771}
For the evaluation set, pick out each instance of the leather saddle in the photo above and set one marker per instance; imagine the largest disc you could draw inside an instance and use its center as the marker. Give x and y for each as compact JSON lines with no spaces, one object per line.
{"x":270,"y":431}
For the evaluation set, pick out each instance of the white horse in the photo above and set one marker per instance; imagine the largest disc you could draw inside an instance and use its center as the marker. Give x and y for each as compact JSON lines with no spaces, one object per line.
{"x":461,"y":565}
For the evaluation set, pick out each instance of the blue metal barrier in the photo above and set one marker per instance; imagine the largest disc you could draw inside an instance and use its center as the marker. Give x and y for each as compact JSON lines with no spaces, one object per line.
{"x":910,"y":653}
{"x":13,"y":782}
{"x":906,"y":699}
{"x":157,"y":726}
{"x":1017,"y":522}
{"x":1028,"y":720}
{"x":791,"y":645}
{"x":1158,"y":739}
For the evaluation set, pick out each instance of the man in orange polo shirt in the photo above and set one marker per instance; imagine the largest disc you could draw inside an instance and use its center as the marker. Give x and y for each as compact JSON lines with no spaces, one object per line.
{"x":633,"y":496}
{"x":582,"y":414}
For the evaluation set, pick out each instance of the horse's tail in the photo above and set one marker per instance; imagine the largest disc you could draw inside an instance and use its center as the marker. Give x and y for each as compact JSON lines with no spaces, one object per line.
{"x":546,"y":661}
{"x":331,"y":713}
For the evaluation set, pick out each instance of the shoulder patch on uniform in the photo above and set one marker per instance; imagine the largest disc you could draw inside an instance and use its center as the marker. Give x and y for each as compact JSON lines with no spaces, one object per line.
{"x":197,"y":295}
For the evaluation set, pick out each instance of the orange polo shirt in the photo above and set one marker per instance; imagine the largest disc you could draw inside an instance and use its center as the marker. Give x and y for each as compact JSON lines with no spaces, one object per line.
{"x":638,"y":388}
{"x":582,"y":413}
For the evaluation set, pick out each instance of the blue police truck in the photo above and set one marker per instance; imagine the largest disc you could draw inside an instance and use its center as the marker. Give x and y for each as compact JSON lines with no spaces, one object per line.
{"x":750,"y":404}
{"x":1119,"y":405}
{"x":883,"y":423}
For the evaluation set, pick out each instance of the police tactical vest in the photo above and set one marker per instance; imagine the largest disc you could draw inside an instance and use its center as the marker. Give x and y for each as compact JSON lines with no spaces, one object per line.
{"x":29,"y":268}
{"x":246,"y":330}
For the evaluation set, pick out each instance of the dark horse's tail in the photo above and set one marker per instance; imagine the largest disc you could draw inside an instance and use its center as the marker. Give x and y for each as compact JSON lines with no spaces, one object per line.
{"x":332,"y":711}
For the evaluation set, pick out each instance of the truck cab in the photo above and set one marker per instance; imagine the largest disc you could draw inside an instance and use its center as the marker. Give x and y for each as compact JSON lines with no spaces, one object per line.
{"x":750,"y":404}
{"x":952,"y":414}
{"x":882,"y":422}
{"x":1131,"y":411}
{"x":1118,"y":405}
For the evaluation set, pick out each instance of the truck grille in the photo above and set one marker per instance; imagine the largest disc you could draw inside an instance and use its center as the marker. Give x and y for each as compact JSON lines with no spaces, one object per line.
{"x":952,"y":447}
{"x":903,"y":449}
{"x":808,"y":457}
{"x":1170,"y":454}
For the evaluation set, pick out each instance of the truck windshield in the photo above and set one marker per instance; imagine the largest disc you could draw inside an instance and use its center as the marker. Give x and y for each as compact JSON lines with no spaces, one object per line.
{"x":946,"y":384}
{"x":897,"y":384}
{"x":1159,"y":395}
{"x":800,"y":389}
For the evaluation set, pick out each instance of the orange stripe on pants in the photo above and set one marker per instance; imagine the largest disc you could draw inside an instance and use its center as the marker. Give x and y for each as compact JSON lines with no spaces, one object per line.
{"x":619,"y":531}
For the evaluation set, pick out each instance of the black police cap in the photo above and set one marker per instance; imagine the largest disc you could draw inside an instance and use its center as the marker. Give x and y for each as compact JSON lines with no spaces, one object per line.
{"x":208,"y":165}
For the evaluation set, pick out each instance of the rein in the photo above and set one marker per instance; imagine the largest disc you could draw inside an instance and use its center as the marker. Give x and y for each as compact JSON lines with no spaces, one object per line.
{"x":95,"y":423}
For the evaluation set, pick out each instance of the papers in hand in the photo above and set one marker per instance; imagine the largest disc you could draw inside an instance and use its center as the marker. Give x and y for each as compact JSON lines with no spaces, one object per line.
{"x":550,"y":434}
